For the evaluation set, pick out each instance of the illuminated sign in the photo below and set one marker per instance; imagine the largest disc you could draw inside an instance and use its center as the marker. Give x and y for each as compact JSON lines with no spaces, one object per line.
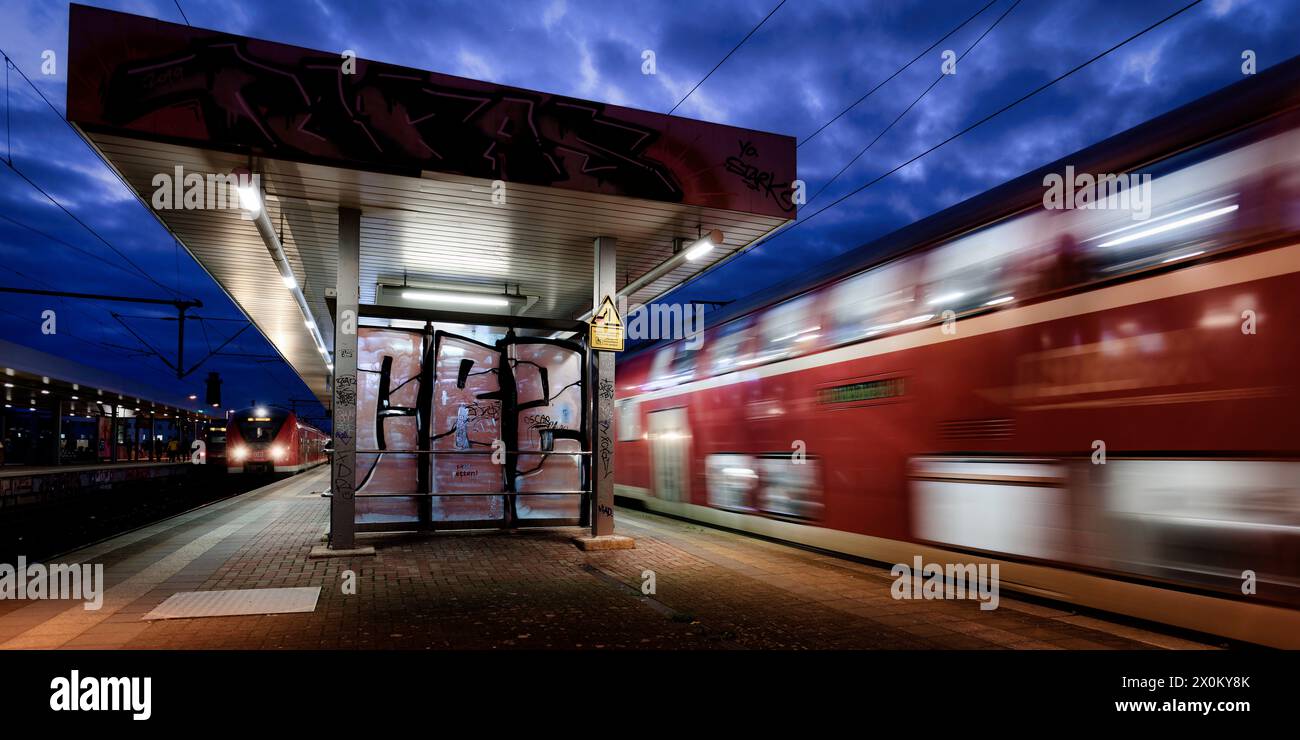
{"x":868,"y":390}
{"x":258,"y":418}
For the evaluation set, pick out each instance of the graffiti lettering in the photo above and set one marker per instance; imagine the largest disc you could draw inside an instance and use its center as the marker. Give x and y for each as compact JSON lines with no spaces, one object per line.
{"x":606,"y":448}
{"x":345,"y":390}
{"x":310,"y":106}
{"x":756,"y":179}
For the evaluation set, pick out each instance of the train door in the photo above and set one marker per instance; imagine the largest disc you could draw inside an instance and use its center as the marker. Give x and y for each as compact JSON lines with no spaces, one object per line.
{"x":670,"y":453}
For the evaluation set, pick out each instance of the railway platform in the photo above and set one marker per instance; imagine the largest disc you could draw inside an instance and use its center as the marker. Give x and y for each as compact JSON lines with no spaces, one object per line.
{"x":37,"y":471}
{"x":531,"y":589}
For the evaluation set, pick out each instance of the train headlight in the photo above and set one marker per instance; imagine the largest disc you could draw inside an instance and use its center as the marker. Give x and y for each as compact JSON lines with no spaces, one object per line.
{"x":239,"y":453}
{"x":278,"y":451}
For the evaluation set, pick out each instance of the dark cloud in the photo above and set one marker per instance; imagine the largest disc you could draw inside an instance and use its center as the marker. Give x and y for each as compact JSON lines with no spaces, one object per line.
{"x":808,"y":62}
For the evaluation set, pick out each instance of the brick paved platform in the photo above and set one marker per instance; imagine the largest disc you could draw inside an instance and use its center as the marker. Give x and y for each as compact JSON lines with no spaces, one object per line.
{"x":535,"y":589}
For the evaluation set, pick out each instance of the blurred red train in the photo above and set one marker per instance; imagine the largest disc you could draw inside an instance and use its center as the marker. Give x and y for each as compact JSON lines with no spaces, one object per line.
{"x":269,"y":439}
{"x":1107,"y":405}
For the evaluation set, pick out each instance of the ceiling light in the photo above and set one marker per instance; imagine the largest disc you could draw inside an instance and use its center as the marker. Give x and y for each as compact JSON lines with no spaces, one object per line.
{"x":462,"y":299}
{"x":703,"y":245}
{"x":250,"y":196}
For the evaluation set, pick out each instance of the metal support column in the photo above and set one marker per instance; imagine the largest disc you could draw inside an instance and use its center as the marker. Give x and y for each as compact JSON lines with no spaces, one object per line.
{"x":343,"y":478}
{"x":602,"y":515}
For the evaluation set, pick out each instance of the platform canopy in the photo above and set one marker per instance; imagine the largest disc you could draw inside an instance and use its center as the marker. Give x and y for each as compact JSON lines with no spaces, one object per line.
{"x":462,"y":185}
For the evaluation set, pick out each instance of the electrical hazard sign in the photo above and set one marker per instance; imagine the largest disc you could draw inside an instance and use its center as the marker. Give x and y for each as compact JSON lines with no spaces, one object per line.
{"x":606,"y":328}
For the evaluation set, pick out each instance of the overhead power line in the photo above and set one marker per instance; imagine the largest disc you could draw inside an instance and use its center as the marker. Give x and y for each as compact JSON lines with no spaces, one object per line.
{"x":896,"y":73}
{"x":911,"y":105}
{"x":796,"y":224}
{"x":1003,"y":109}
{"x":728,"y":56}
{"x":10,"y":63}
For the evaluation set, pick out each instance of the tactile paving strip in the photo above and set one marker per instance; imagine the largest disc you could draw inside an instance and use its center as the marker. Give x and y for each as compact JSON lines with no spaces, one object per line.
{"x":232,"y":603}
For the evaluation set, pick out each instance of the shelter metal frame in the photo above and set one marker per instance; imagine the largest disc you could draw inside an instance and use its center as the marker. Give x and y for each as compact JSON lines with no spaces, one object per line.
{"x":519,"y":323}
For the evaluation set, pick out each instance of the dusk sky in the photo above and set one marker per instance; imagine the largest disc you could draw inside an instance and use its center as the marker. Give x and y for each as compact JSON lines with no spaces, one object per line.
{"x":805,"y":65}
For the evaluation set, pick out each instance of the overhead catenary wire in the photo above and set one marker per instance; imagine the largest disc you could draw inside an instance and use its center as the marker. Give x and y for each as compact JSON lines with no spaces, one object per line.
{"x":74,"y":307}
{"x":752,"y":31}
{"x":87,"y":227}
{"x":66,"y":243}
{"x":896,"y":73}
{"x":137,"y":271}
{"x":1004,"y":109}
{"x":30,"y":320}
{"x":911,"y":105}
{"x":9,"y":139}
{"x":796,"y":224}
{"x":9,"y":162}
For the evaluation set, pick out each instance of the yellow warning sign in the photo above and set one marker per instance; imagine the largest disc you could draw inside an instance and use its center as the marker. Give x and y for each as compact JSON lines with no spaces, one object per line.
{"x":606,"y":328}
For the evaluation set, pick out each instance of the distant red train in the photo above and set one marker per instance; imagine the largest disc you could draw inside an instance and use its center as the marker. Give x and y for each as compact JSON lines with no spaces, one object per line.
{"x":1105,"y":402}
{"x":269,"y":439}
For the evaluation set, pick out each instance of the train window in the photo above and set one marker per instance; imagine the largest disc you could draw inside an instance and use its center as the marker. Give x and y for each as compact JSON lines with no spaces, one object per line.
{"x":728,"y":350}
{"x":873,"y":302}
{"x":672,"y":365}
{"x":1238,"y":196}
{"x":683,"y":365}
{"x":732,"y":481}
{"x":787,"y":330}
{"x":1184,"y":214}
{"x":627,"y":423}
{"x":658,"y":368}
{"x":790,"y":490}
{"x":975,"y":271}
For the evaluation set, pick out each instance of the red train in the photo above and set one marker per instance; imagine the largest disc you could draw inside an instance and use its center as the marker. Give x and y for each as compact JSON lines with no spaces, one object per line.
{"x":1106,"y":405}
{"x":269,"y":439}
{"x":215,"y":440}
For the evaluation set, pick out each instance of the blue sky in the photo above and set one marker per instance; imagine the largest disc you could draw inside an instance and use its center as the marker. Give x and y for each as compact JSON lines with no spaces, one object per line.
{"x":811,"y":59}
